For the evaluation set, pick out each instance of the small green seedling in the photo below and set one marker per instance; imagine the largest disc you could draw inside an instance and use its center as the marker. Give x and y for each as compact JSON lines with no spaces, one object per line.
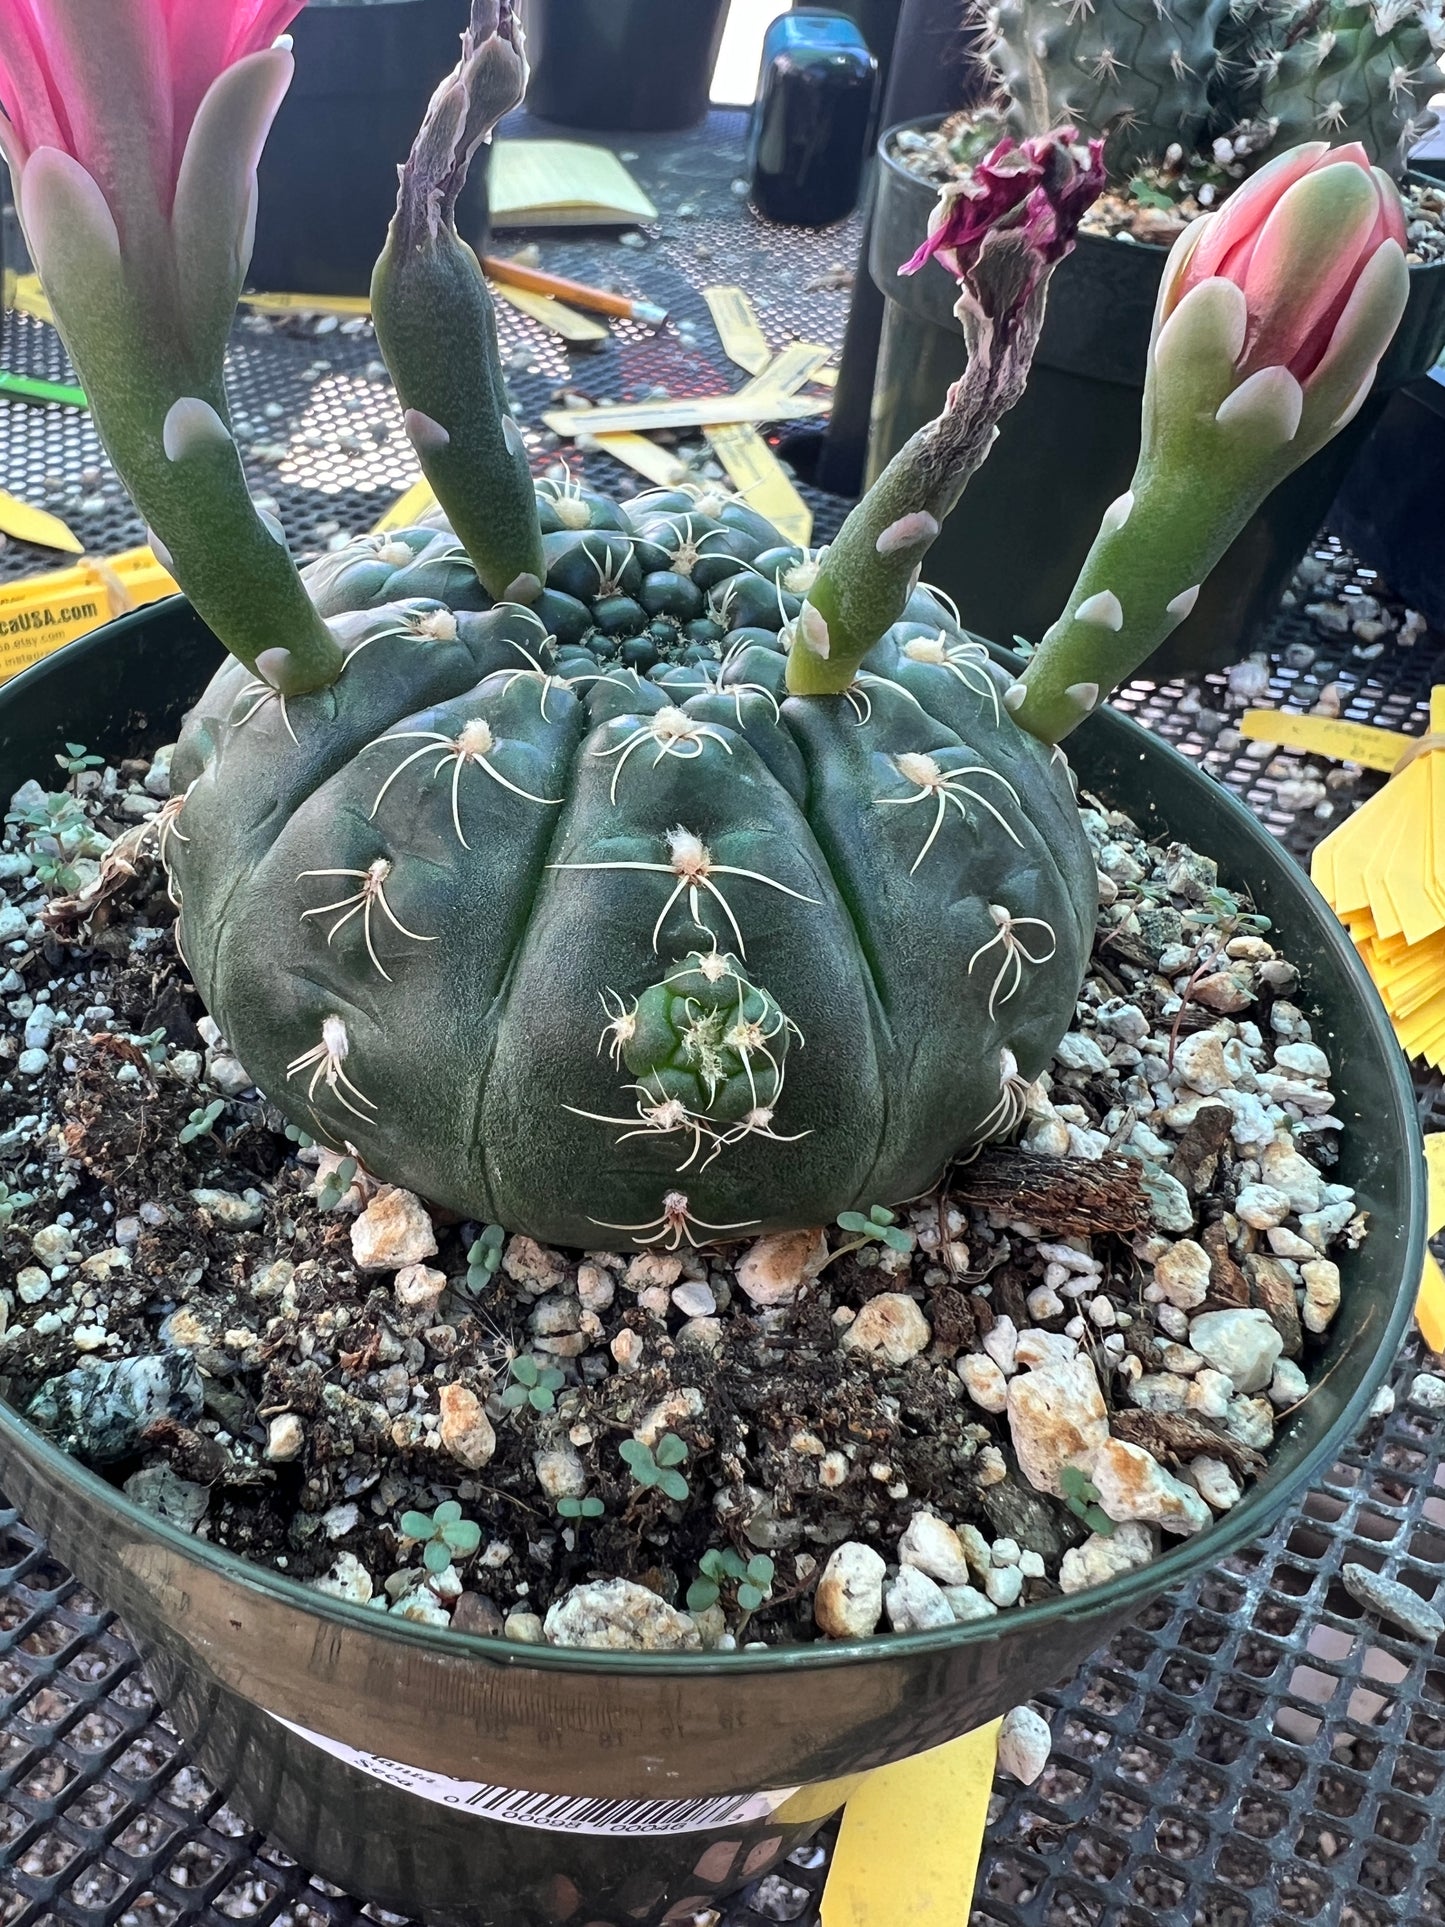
{"x":155,"y":1046}
{"x":202,"y":1123}
{"x":484,"y":1259}
{"x":581,"y":1508}
{"x":300,"y":1138}
{"x":880,"y":1226}
{"x":658,"y":1467}
{"x":1081,"y":1496}
{"x":77,"y":758}
{"x":444,"y":1536}
{"x":335,"y":1185}
{"x":532,"y":1384}
{"x":11,"y":1202}
{"x":718,"y":1568}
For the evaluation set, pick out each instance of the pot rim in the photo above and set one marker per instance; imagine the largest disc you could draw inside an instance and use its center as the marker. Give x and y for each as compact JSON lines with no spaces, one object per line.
{"x":1251,"y":847}
{"x":913,"y":184}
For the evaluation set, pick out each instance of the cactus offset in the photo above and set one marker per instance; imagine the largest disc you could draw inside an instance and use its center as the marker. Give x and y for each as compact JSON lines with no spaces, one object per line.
{"x":1132,"y":72}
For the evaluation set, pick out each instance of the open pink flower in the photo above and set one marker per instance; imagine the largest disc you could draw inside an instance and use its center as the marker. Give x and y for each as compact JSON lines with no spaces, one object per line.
{"x":118,"y":87}
{"x":133,"y":129}
{"x":1044,"y":186}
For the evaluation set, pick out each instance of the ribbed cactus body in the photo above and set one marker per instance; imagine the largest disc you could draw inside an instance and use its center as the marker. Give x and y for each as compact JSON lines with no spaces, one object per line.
{"x":571,"y":918}
{"x":1360,"y":73}
{"x":1130,"y":70}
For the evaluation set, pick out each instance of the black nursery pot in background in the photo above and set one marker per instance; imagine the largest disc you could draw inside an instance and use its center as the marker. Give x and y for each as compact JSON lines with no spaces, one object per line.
{"x":1012,"y":550}
{"x":365,"y":70}
{"x":1391,"y":510}
{"x":627,"y":66}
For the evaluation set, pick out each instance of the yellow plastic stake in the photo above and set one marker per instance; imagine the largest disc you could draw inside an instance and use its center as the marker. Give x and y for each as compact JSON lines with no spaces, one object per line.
{"x":25,"y":524}
{"x":647,"y":457}
{"x":737,"y":324}
{"x":758,"y":477}
{"x":551,"y":313}
{"x":911,"y":1839}
{"x":408,"y":510}
{"x":346,"y":307}
{"x":25,"y":295}
{"x":41,"y":612}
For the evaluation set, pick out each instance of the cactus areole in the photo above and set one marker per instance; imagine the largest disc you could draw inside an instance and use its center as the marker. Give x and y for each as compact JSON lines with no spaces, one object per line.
{"x":623,"y":874}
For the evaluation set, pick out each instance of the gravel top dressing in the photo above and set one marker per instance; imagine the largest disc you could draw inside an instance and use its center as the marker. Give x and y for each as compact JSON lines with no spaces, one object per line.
{"x":932,"y":1412}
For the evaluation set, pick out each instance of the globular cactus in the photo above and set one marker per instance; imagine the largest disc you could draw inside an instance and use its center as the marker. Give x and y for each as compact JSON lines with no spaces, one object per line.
{"x":1258,"y":75}
{"x":624,"y":874}
{"x":1133,"y":72}
{"x":1353,"y":73}
{"x":570,"y":918}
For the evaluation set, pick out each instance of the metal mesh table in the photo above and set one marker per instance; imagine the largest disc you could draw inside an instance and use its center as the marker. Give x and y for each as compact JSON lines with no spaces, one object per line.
{"x":1254,"y":1751}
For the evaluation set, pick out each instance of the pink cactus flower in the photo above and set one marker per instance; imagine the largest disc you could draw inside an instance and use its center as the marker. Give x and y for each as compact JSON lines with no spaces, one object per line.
{"x":1307,"y":260}
{"x":137,"y":125}
{"x":1045,"y":186}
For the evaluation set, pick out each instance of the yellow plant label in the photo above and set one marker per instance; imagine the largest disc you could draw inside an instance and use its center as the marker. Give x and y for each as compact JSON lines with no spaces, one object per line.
{"x":648,"y":458}
{"x":25,"y":295}
{"x":758,"y":477}
{"x":798,"y":363}
{"x":682,"y":412}
{"x":737,"y":324}
{"x":40,"y":613}
{"x":1332,"y":736}
{"x":346,"y":307}
{"x":551,"y":313}
{"x":908,"y":1852}
{"x":408,"y":510}
{"x":26,"y":524}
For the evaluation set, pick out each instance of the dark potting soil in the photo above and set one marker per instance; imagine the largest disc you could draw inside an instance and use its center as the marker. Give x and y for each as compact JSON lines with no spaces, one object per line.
{"x":301,"y":1365}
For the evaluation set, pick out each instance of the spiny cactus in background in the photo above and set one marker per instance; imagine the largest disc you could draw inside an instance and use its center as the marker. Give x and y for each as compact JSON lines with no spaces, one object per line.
{"x":1249,"y":78}
{"x":622,"y":873}
{"x":1132,"y":72}
{"x":1352,"y":73}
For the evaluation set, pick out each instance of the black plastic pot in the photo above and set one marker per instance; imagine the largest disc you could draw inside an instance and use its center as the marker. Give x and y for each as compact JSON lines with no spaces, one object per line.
{"x":365,"y":70}
{"x":1391,"y":510}
{"x":366,"y":1745}
{"x":1012,"y":550}
{"x":631,"y":66}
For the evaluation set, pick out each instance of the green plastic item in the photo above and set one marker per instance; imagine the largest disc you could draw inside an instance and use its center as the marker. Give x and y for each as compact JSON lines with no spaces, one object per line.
{"x":470,"y":1781}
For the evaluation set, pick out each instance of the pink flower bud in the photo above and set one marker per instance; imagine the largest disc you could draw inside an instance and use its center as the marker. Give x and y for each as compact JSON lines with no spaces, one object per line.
{"x":1297,"y":240}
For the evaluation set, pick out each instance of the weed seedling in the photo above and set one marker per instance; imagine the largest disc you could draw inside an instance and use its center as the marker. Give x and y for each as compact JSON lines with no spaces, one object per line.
{"x":484,"y":1259}
{"x":202,"y":1123}
{"x":444,"y":1536}
{"x":658,"y":1467}
{"x":880,"y":1226}
{"x":77,"y":758}
{"x":588,"y":1508}
{"x":335,"y":1185}
{"x":718,"y":1568}
{"x":532,"y":1385}
{"x":1081,"y":1496}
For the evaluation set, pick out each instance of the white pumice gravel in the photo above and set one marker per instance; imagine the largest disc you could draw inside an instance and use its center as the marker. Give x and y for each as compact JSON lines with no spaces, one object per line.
{"x":1107,"y":1392}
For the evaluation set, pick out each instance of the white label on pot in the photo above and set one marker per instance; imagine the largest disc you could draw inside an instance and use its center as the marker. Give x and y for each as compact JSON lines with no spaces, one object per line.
{"x":556,"y":1812}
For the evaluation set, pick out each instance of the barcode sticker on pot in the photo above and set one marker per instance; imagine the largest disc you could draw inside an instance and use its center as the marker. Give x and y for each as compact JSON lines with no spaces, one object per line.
{"x":556,"y":1812}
